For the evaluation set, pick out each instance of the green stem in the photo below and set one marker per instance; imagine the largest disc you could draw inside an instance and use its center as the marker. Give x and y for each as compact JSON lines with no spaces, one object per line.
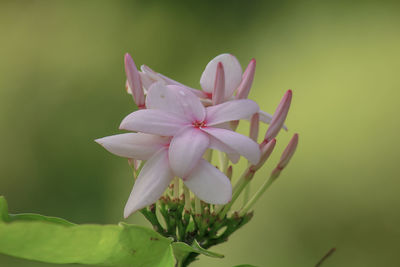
{"x":243,"y":181}
{"x":223,"y":161}
{"x":176,"y":187}
{"x":197,"y":206}
{"x":257,"y":196}
{"x":188,"y":202}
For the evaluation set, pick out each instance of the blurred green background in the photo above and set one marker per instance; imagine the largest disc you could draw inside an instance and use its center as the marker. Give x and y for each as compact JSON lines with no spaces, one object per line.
{"x":62,"y":86}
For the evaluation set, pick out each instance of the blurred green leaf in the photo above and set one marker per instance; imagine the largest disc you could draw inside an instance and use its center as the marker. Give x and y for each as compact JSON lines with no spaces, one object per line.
{"x":54,"y":240}
{"x":181,"y":250}
{"x":245,"y":265}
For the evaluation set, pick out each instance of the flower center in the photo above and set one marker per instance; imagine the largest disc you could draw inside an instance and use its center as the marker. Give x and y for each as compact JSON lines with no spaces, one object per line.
{"x":199,"y":124}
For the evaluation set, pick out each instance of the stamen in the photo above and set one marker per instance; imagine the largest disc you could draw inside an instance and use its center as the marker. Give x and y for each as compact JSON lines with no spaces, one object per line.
{"x":199,"y":124}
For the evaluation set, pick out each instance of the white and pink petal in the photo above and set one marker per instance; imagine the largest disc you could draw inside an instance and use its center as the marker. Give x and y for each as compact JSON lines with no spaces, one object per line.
{"x":209,"y":184}
{"x":186,"y":149}
{"x":175,"y":99}
{"x":134,"y":145}
{"x":154,"y":122}
{"x":231,"y":111}
{"x":232,"y":70}
{"x":154,"y":178}
{"x":239,"y":143}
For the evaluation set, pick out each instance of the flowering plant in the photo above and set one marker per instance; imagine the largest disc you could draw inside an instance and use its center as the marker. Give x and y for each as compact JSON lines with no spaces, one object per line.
{"x":187,"y":195}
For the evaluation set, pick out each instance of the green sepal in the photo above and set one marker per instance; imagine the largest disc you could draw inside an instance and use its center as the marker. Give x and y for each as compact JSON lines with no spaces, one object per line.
{"x":182,"y":250}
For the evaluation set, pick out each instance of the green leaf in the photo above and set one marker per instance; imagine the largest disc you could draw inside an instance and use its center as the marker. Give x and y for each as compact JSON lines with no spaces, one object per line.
{"x":55,"y":240}
{"x":38,"y":217}
{"x":3,"y":210}
{"x":181,"y":250}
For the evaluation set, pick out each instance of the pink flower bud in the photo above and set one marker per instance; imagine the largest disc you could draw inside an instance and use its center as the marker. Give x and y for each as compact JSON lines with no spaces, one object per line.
{"x":254,"y":126}
{"x":286,"y":156}
{"x":279,"y":117}
{"x":289,"y":151}
{"x":266,"y":151}
{"x":247,"y":80}
{"x":219,"y":85}
{"x":134,"y":81}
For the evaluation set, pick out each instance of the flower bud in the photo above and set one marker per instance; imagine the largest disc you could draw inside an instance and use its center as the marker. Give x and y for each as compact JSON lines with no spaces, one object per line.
{"x":219,"y":85}
{"x":247,"y":80}
{"x":266,"y":151}
{"x":279,"y":117}
{"x":286,"y":156}
{"x":289,"y":151}
{"x":134,"y":81}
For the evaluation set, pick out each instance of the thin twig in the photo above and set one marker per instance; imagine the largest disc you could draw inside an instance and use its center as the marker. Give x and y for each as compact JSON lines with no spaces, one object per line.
{"x":327,"y":255}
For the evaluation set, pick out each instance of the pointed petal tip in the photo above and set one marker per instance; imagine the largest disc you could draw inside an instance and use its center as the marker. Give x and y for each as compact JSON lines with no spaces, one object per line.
{"x":128,"y":212}
{"x":127,"y":58}
{"x":99,"y":141}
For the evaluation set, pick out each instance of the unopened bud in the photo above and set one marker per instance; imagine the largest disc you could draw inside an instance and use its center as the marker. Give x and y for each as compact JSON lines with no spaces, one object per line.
{"x":286,"y":156}
{"x":134,"y":81}
{"x":219,"y":85}
{"x":266,"y":151}
{"x":289,"y":151}
{"x":247,"y":80}
{"x":279,"y":117}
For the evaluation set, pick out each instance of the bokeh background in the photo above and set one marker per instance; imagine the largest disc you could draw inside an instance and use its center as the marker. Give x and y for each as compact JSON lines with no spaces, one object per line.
{"x":62,"y":86}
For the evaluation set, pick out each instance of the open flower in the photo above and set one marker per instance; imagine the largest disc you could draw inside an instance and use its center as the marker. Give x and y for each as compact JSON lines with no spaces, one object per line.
{"x":205,"y":181}
{"x":175,"y":111}
{"x":237,"y":84}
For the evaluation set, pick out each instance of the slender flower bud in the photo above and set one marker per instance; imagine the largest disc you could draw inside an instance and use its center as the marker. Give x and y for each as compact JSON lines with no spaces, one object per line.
{"x":134,"y":81}
{"x":286,"y":156}
{"x":254,"y":126}
{"x":266,"y":151}
{"x":219,"y":85}
{"x":289,"y":151}
{"x":247,"y":80}
{"x":279,"y":117}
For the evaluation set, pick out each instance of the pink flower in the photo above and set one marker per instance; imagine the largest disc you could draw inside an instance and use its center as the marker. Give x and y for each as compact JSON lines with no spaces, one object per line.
{"x":233,"y":80}
{"x":175,"y":111}
{"x":205,"y":181}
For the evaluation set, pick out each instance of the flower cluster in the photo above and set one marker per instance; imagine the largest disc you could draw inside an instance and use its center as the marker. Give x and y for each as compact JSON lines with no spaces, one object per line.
{"x":176,"y":129}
